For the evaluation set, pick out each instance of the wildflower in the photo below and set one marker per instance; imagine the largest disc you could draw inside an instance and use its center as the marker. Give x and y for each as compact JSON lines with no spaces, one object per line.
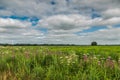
{"x":61,"y":57}
{"x":109,"y":62}
{"x":68,"y":61}
{"x":66,"y":57}
{"x":98,"y":55}
{"x":61,"y":62}
{"x":88,"y":54}
{"x":27,"y":55}
{"x":119,"y":62}
{"x":94,"y":57}
{"x":109,"y":57}
{"x":68,"y":64}
{"x":99,"y":63}
{"x":73,"y":62}
{"x":85,"y":57}
{"x":70,"y":58}
{"x":102,"y":58}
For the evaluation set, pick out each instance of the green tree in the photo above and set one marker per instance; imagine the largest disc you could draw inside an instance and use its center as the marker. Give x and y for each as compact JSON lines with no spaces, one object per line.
{"x":93,"y":43}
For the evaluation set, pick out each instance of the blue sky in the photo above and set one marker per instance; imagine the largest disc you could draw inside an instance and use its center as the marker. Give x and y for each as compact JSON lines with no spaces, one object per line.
{"x":60,"y":21}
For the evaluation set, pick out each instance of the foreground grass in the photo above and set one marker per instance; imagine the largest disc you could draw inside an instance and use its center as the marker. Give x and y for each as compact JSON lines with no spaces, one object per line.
{"x":60,"y":63}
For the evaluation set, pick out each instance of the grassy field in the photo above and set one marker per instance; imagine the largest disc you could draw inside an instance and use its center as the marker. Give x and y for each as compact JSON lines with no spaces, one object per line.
{"x":60,"y":63}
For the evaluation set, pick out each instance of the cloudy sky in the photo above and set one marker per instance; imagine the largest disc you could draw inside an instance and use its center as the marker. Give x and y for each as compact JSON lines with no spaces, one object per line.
{"x":60,"y":21}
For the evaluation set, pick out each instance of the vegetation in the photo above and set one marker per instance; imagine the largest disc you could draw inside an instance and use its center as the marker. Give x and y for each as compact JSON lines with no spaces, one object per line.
{"x":94,"y":43}
{"x":60,"y":63}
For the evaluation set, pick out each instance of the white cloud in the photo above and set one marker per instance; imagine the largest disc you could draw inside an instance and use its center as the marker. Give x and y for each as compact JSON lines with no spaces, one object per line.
{"x":105,"y":36}
{"x":13,"y":22}
{"x":11,"y":29}
{"x":21,"y":7}
{"x":74,"y":22}
{"x":113,"y":12}
{"x":106,"y":22}
{"x":63,"y":20}
{"x":2,"y":29}
{"x":44,"y":8}
{"x":59,"y":33}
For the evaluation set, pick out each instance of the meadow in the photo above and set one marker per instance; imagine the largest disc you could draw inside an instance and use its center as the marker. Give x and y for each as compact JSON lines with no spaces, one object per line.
{"x":59,"y":62}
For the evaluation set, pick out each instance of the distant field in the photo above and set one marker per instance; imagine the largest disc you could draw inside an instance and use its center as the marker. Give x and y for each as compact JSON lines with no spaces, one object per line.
{"x":60,"y":63}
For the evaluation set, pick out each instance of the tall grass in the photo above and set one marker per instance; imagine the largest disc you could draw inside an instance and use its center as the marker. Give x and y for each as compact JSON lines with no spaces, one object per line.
{"x":60,"y":63}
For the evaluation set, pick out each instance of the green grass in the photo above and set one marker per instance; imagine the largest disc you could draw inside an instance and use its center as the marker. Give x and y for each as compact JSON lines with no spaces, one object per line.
{"x":60,"y":63}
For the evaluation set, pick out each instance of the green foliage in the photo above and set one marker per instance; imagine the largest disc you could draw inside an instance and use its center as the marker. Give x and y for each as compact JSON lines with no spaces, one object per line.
{"x":94,"y":43}
{"x":60,"y":63}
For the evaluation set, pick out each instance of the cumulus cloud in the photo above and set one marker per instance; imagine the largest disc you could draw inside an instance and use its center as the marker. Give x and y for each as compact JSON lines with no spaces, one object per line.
{"x":106,"y":22}
{"x":62,"y":28}
{"x":21,"y":7}
{"x":113,"y":12}
{"x":105,"y":36}
{"x":11,"y":29}
{"x":65,"y":22}
{"x":75,"y":22}
{"x":44,"y":8}
{"x":61,"y":19}
{"x":13,"y":22}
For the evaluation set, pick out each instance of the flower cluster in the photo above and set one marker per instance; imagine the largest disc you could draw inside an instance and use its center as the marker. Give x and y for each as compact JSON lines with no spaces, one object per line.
{"x":69,"y":59}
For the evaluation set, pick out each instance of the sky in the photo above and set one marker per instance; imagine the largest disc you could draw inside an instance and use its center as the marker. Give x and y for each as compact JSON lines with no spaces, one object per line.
{"x":60,"y":21}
